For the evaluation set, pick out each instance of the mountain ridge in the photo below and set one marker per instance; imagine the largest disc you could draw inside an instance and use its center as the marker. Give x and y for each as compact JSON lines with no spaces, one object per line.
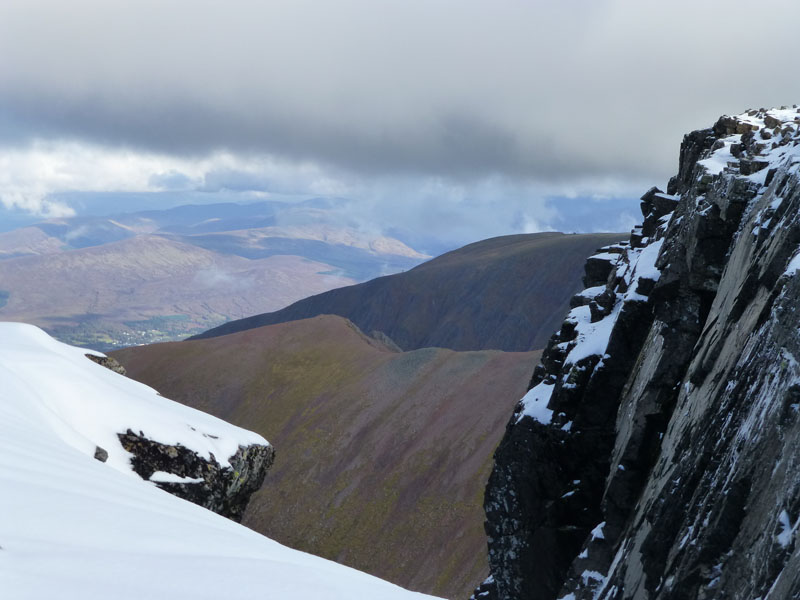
{"x":481,"y":296}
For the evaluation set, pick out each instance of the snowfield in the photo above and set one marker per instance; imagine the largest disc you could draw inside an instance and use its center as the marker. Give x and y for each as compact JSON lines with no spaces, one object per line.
{"x":73,"y":527}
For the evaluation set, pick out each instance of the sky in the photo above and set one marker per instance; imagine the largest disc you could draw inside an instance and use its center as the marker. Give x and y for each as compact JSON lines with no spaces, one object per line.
{"x":463,"y":119}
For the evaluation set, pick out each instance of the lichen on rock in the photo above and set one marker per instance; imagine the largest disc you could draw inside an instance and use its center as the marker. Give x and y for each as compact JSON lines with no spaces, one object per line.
{"x":224,"y":489}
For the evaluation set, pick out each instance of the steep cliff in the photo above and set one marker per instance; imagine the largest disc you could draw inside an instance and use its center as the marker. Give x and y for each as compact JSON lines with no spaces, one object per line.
{"x":656,"y":453}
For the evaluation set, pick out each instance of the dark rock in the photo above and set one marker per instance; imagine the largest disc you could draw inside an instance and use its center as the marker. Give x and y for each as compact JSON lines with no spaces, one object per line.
{"x":672,"y":455}
{"x":222,"y":489}
{"x":597,"y":270}
{"x":748,"y":167}
{"x":107,"y":362}
{"x":100,"y":454}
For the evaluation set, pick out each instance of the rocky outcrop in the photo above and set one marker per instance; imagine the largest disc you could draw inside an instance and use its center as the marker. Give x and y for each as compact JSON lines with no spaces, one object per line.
{"x":107,"y":362}
{"x":224,"y":489}
{"x":655,"y":454}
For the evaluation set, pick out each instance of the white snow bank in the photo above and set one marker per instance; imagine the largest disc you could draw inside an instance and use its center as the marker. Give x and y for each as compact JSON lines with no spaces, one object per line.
{"x":592,"y":338}
{"x":74,"y":528}
{"x":535,"y":403}
{"x":88,"y":405}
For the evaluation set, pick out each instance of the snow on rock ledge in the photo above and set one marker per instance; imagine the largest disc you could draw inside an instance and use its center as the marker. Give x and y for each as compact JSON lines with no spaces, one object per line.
{"x":129,"y":426}
{"x":74,"y":528}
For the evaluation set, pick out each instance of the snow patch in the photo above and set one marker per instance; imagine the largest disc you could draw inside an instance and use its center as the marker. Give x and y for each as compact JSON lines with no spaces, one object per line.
{"x":164,"y":477}
{"x":787,"y":529}
{"x":535,"y":403}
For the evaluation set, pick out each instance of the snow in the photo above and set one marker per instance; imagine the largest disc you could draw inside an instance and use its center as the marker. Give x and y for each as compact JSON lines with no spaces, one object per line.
{"x":88,"y":405}
{"x":76,"y":528}
{"x":646,"y":265}
{"x":793,"y":266}
{"x":718,"y":160}
{"x":787,"y":529}
{"x":163,"y":477}
{"x":597,"y":532}
{"x":784,"y":154}
{"x":588,"y":576}
{"x":592,"y":338}
{"x":607,"y":256}
{"x":535,"y":403}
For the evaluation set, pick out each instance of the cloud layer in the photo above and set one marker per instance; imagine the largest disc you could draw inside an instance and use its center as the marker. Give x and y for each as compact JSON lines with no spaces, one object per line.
{"x":548,"y":98}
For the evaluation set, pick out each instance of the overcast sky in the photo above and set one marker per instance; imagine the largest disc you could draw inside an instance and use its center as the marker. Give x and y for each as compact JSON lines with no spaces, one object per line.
{"x":500,"y":108}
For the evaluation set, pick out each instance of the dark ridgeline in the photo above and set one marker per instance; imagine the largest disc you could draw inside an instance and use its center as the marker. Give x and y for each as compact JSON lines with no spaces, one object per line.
{"x":506,"y":293}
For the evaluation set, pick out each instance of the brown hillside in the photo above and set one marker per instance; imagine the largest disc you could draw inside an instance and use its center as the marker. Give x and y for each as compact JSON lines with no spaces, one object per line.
{"x":382,"y":456}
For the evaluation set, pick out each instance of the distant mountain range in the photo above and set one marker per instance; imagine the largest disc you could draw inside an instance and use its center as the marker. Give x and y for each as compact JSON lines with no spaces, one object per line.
{"x":506,"y":293}
{"x":156,"y":275}
{"x":374,"y":447}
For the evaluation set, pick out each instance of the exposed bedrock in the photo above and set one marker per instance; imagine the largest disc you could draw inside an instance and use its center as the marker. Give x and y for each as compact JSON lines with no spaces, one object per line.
{"x":656,"y":454}
{"x":222,"y":488}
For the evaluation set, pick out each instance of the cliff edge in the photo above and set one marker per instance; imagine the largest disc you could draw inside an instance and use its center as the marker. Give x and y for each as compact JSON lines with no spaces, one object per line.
{"x":656,"y":453}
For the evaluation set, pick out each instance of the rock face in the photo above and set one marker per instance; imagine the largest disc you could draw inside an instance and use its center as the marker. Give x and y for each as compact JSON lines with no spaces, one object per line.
{"x":108,"y":363}
{"x":184,"y":473}
{"x":656,"y":453}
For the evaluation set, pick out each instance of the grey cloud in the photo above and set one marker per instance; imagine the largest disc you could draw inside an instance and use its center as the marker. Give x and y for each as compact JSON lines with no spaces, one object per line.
{"x":171,"y":181}
{"x":528,"y":90}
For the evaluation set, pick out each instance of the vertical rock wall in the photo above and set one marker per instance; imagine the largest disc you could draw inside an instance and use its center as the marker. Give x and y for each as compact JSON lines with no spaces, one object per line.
{"x":653,"y":456}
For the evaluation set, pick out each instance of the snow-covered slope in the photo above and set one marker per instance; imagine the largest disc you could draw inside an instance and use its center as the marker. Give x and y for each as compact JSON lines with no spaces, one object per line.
{"x":74,"y":527}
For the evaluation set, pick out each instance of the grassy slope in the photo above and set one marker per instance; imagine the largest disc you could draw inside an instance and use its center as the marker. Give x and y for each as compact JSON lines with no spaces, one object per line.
{"x":382,"y":457}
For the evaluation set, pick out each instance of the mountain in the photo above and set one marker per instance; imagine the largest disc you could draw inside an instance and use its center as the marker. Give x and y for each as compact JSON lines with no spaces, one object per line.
{"x":382,"y":456}
{"x":79,"y":522}
{"x":155,"y":275}
{"x":655,"y":454}
{"x":504,"y":293}
{"x":148,"y":287}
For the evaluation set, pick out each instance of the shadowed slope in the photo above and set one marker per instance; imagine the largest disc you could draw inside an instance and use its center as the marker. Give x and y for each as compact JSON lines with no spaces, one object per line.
{"x":382,"y":456}
{"x":507,"y":293}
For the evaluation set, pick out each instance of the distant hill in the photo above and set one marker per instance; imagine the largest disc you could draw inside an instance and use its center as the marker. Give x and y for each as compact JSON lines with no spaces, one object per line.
{"x":381,"y":456}
{"x":508,"y":293}
{"x":148,"y":288}
{"x":162,"y":275}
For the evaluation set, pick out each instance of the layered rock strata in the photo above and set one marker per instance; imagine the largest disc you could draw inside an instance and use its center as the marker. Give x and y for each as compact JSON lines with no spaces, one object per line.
{"x":656,"y":453}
